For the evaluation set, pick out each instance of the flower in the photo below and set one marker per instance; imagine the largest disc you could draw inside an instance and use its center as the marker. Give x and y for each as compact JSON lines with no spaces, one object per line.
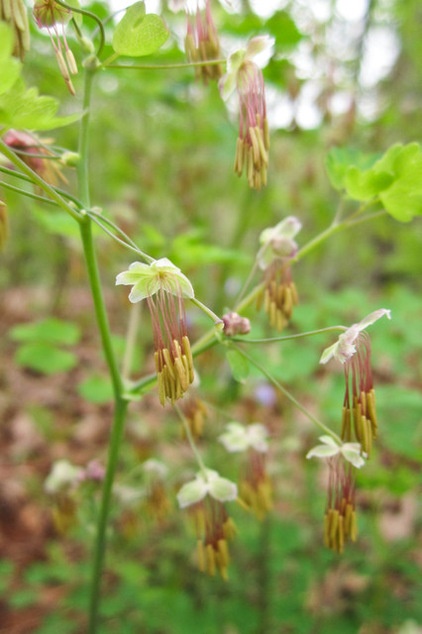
{"x":351,"y":451}
{"x":353,"y":350}
{"x":195,"y":413}
{"x":35,"y":152}
{"x":277,"y":242}
{"x":206,"y":496}
{"x":240,"y":438}
{"x":340,"y":515}
{"x":245,"y":76}
{"x":201,"y":42}
{"x":345,"y":347}
{"x":279,"y":293}
{"x":255,"y":486}
{"x":164,"y":287}
{"x":235,"y":324}
{"x":62,"y":477}
{"x":51,"y":15}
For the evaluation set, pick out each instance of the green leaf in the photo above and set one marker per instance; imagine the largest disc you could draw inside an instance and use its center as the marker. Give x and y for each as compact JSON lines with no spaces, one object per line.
{"x":44,"y":358}
{"x":340,"y":160}
{"x":238,"y":365}
{"x":26,"y":109}
{"x":395,"y":178}
{"x":96,"y":389}
{"x":10,"y":68}
{"x":403,"y":199}
{"x":139,"y":34}
{"x":58,"y":222}
{"x":51,"y":331}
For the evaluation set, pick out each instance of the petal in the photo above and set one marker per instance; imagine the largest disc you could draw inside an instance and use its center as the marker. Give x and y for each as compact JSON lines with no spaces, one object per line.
{"x":328,"y":440}
{"x":329,"y":353}
{"x":323,"y":451}
{"x":257,"y":45}
{"x":373,"y":317}
{"x":235,"y":438}
{"x":352,"y":453}
{"x":222,"y":489}
{"x":144,"y":288}
{"x":258,"y":435}
{"x":192,"y":493}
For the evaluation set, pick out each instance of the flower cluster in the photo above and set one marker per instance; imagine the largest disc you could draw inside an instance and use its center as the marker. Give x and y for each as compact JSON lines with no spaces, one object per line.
{"x":340,"y":516}
{"x":164,"y":287}
{"x":253,"y":143}
{"x":201,"y":42}
{"x":279,"y":294}
{"x":54,"y":17}
{"x":205,"y":496}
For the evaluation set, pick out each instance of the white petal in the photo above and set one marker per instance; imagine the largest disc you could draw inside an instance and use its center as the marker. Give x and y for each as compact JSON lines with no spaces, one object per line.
{"x":222,"y":490}
{"x":323,"y":451}
{"x":329,"y":353}
{"x":258,"y":45}
{"x":235,"y":438}
{"x":192,"y":493}
{"x":352,"y":453}
{"x":258,"y":435}
{"x":373,"y":317}
{"x":328,"y":440}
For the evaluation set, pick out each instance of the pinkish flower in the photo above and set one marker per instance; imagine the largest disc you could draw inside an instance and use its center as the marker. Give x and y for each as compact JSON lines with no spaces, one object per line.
{"x":54,"y":17}
{"x":353,"y":350}
{"x":201,"y":42}
{"x":245,"y":76}
{"x":340,"y":516}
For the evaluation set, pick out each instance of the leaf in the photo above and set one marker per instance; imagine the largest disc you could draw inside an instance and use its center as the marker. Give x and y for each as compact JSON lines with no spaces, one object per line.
{"x":403,"y":199}
{"x":44,"y":358}
{"x":26,"y":109}
{"x":284,"y":29}
{"x":238,"y":365}
{"x":340,"y":160}
{"x":10,"y":68}
{"x":51,"y":331}
{"x":139,"y":34}
{"x":96,"y":389}
{"x":395,"y":178}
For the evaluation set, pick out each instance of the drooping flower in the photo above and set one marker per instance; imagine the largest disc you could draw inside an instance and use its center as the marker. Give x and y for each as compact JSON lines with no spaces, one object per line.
{"x":34,"y":151}
{"x":61,"y":485}
{"x":279,"y":294}
{"x":255,"y":487}
{"x":14,"y":12}
{"x":165,"y":287}
{"x":340,"y":523}
{"x":205,"y":496}
{"x":54,"y":17}
{"x":351,"y":451}
{"x":201,"y":42}
{"x":353,"y":351}
{"x":253,"y":143}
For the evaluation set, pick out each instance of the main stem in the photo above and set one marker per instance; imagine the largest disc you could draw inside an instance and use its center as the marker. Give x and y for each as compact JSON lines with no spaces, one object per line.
{"x":120,"y":403}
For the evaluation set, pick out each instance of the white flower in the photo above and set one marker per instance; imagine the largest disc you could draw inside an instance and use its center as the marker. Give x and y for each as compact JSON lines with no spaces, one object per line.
{"x":208,"y":483}
{"x":256,"y":48}
{"x":155,"y":468}
{"x":351,"y":451}
{"x":240,"y":438}
{"x":63,"y":475}
{"x":278,"y":241}
{"x":148,"y":279}
{"x":345,"y":346}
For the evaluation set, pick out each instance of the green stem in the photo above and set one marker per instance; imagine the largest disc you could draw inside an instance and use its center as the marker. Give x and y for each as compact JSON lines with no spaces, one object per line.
{"x":100,"y":542}
{"x":192,"y":442}
{"x":213,"y":62}
{"x":120,"y":403}
{"x":288,"y":395}
{"x":300,"y":335}
{"x":37,"y":180}
{"x":26,"y":193}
